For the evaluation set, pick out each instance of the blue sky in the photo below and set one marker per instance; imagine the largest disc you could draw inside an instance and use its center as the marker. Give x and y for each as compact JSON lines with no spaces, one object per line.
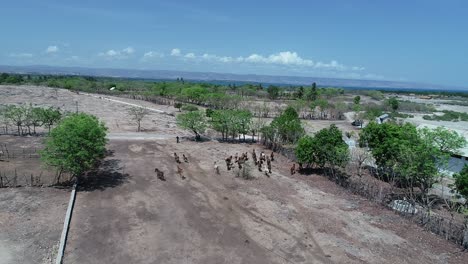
{"x":407,"y":40}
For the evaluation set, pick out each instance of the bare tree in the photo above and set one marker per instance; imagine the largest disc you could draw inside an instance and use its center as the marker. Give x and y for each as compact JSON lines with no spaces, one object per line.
{"x":359,"y":157}
{"x":137,"y":114}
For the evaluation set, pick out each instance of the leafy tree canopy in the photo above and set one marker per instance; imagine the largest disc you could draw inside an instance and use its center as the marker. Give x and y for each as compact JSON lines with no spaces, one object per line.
{"x":288,"y":125}
{"x":326,"y":148}
{"x":76,"y":145}
{"x":194,"y":121}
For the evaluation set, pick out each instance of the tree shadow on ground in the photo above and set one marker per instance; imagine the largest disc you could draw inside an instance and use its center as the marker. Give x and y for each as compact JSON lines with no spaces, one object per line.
{"x":201,"y":139}
{"x":108,"y":175}
{"x":310,"y":171}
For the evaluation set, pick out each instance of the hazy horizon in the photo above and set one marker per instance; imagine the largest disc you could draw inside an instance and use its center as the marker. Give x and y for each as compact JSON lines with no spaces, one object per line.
{"x":417,"y":41}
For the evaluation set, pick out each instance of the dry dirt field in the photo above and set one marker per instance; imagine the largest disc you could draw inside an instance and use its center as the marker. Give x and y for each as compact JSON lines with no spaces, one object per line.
{"x":132,"y":217}
{"x":31,"y":221}
{"x":126,"y":215}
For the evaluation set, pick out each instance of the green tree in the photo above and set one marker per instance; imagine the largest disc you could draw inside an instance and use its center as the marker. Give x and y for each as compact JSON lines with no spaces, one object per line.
{"x":415,"y":156}
{"x":461,"y":182}
{"x":386,"y":141}
{"x":325,"y":149}
{"x":36,"y":119}
{"x":221,"y":121}
{"x":357,"y":99}
{"x":76,"y":145}
{"x":300,"y":92}
{"x":178,"y":105}
{"x":312,"y":93}
{"x":17,"y":116}
{"x":273,"y":91}
{"x":305,"y":150}
{"x":447,"y":141}
{"x":209,"y":112}
{"x":194,"y":121}
{"x":50,"y":116}
{"x":195,"y":94}
{"x":393,"y":103}
{"x":242,"y":121}
{"x":288,"y":126}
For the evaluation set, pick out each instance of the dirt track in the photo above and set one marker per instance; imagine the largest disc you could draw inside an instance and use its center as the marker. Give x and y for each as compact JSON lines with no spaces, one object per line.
{"x":132,"y":217}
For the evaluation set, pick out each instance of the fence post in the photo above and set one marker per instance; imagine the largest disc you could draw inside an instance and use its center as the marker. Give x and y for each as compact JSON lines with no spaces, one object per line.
{"x":465,"y":238}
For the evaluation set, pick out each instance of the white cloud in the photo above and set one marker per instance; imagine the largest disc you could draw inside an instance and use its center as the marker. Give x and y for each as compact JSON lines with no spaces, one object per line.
{"x":52,"y":49}
{"x":290,"y":59}
{"x":284,"y":58}
{"x":21,"y":55}
{"x":190,"y":55}
{"x":128,"y":50}
{"x":117,"y":54}
{"x":111,"y":53}
{"x":175,"y":52}
{"x":152,"y":54}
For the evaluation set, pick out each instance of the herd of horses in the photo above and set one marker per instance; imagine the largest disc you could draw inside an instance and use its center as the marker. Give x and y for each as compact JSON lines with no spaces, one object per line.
{"x":262,"y":162}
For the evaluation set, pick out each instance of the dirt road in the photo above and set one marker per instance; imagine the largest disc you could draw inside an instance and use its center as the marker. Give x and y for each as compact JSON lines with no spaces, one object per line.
{"x":129,"y":216}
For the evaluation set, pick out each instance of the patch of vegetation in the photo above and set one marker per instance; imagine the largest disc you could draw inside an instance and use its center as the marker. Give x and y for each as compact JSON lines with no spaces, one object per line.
{"x":400,"y":115}
{"x":189,"y":108}
{"x":461,"y":182}
{"x":376,"y":95}
{"x":448,"y":116}
{"x":325,"y":149}
{"x":408,"y":106}
{"x":27,"y":118}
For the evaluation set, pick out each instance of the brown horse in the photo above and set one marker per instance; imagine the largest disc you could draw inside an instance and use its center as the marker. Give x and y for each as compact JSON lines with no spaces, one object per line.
{"x":160,"y":174}
{"x":180,"y":171}
{"x":176,"y":157}
{"x":293,"y":169}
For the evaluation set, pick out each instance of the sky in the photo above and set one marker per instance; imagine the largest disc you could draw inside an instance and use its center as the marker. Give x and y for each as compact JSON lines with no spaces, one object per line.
{"x":423,"y":41}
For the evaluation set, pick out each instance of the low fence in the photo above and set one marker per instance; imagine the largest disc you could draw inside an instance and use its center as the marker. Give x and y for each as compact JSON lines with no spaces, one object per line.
{"x":15,"y":153}
{"x":21,"y":167}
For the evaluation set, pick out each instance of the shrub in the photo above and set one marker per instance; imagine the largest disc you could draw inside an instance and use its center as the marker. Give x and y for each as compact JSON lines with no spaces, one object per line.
{"x":189,"y":108}
{"x":461,"y":182}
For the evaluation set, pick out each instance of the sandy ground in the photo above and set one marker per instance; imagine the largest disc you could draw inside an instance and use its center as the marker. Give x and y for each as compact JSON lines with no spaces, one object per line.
{"x":31,"y":221}
{"x":132,"y":217}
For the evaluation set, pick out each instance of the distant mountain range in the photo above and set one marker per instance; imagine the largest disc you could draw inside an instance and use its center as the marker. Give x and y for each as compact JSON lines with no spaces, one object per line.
{"x":223,"y":77}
